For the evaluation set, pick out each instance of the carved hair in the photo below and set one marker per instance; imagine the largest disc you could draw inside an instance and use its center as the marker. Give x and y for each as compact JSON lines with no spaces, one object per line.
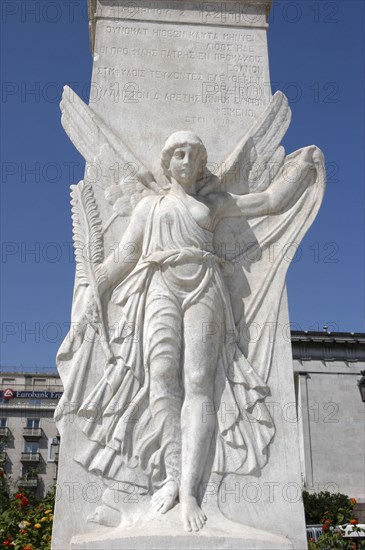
{"x":179,"y":139}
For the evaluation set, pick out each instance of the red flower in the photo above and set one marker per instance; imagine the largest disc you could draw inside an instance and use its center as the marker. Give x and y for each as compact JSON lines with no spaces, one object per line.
{"x":353,"y":521}
{"x":6,"y":543}
{"x":19,"y":495}
{"x":325,"y":527}
{"x":353,"y":500}
{"x":22,"y":531}
{"x":24,"y":501}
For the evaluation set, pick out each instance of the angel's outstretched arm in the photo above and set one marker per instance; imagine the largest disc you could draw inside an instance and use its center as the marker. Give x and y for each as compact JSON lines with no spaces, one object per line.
{"x":283,"y":192}
{"x":124,"y":258}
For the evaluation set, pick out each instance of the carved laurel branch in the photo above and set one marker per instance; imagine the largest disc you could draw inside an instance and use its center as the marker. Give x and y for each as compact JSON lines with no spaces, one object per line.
{"x":89,"y":249}
{"x":87,"y":234}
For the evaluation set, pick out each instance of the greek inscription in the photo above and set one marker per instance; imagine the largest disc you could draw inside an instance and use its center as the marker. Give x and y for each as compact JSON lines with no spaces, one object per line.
{"x":127,"y":30}
{"x":234,"y":112}
{"x":190,"y":35}
{"x":144,"y":52}
{"x":232,"y":37}
{"x":230,"y":48}
{"x":132,"y":10}
{"x":237,"y":58}
{"x":186,"y":98}
{"x":183,"y":54}
{"x":175,"y":75}
{"x":118,"y":71}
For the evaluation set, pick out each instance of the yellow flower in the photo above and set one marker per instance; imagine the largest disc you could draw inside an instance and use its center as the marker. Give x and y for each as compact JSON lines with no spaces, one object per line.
{"x":50,"y":517}
{"x":37,"y":526}
{"x":27,"y":523}
{"x":43,"y":519}
{"x":48,"y":511}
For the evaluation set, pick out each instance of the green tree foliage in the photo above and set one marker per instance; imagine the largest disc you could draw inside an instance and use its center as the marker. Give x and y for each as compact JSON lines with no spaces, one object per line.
{"x":4,"y":491}
{"x":331,"y":510}
{"x":316,"y":504}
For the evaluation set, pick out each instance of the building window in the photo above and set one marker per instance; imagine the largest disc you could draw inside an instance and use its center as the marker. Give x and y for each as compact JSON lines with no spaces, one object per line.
{"x":53,"y":449}
{"x":29,"y":472}
{"x":8,"y":382}
{"x":33,"y":423}
{"x":31,"y":447}
{"x":3,"y":434}
{"x":39,"y":383}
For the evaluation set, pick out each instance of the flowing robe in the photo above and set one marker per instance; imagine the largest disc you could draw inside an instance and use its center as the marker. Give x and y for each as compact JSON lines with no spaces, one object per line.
{"x":175,"y":271}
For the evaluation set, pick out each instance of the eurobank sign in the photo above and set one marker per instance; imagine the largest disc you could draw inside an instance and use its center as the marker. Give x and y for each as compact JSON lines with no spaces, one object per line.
{"x":9,"y":393}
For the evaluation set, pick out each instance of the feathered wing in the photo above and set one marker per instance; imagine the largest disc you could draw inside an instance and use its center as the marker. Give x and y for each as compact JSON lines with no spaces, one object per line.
{"x":114,"y":182}
{"x":88,"y":132}
{"x":258,"y":156}
{"x":259,"y":247}
{"x":116,"y":174}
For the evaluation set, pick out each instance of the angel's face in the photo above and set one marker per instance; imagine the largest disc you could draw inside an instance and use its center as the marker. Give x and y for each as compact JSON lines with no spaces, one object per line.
{"x":185,"y":165}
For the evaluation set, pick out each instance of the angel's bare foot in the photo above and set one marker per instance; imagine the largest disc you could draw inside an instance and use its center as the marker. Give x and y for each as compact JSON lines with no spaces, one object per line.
{"x":165,"y":497}
{"x":192,"y":516}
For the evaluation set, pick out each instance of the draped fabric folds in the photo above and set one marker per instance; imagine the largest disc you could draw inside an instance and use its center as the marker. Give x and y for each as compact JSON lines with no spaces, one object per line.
{"x":124,"y":443}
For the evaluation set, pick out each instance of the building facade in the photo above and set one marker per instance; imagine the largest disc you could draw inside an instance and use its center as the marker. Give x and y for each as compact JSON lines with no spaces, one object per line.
{"x":29,"y":440}
{"x":328,"y":409}
{"x":330,"y":412}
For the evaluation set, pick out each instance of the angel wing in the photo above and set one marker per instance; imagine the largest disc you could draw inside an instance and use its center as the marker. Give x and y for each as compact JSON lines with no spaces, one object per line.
{"x":111,"y":166}
{"x":114,"y":182}
{"x":258,"y":247}
{"x":258,"y":156}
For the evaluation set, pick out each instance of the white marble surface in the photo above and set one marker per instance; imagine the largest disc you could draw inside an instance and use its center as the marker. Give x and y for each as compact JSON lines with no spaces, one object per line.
{"x":170,"y":66}
{"x":179,"y":399}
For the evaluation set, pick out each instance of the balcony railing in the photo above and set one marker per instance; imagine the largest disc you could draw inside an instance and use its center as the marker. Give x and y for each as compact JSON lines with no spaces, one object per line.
{"x":4,"y":432}
{"x":27,"y":404}
{"x":30,"y":457}
{"x":55,"y":458}
{"x":28,"y":483}
{"x":32,"y":433}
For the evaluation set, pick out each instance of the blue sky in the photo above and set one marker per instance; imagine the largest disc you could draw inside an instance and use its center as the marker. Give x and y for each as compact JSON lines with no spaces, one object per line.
{"x":316,"y":54}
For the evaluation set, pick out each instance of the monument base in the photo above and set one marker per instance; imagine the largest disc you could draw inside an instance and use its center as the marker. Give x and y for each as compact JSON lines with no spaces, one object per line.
{"x":165,"y":532}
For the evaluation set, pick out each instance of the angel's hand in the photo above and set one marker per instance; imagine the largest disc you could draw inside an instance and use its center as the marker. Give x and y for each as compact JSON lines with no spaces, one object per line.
{"x":308,"y":154}
{"x":318,"y":156}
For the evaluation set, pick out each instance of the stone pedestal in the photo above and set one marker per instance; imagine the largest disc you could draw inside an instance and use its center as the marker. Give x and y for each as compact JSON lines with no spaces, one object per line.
{"x":166,"y":533}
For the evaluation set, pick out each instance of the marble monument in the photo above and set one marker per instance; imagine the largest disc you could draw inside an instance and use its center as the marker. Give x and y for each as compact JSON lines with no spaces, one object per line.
{"x":177,"y":422}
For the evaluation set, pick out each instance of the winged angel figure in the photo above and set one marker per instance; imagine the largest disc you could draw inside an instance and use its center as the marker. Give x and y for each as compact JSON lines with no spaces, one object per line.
{"x":162,"y":339}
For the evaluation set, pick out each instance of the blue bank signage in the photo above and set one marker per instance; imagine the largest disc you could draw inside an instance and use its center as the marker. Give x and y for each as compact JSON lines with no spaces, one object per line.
{"x":9,"y":393}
